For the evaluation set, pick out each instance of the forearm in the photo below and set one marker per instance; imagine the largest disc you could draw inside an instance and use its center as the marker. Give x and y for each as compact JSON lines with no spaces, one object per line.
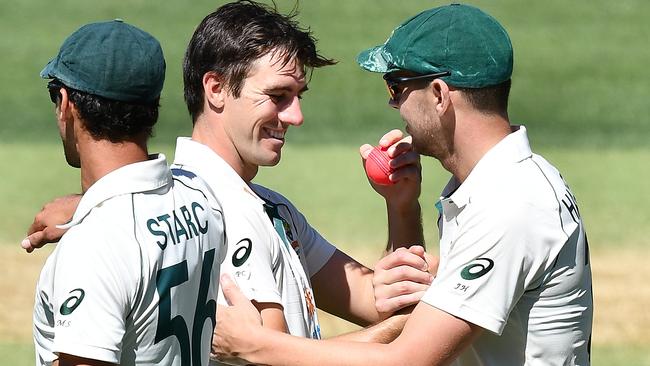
{"x":383,"y":332}
{"x":343,"y":288}
{"x":274,"y":348}
{"x":404,"y":226}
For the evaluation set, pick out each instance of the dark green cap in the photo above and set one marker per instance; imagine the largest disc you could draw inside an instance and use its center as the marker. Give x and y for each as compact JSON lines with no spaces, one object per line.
{"x":461,"y":39}
{"x":111,"y":59}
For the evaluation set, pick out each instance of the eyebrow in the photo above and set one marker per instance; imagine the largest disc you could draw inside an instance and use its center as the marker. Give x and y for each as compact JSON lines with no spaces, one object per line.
{"x":285,"y":88}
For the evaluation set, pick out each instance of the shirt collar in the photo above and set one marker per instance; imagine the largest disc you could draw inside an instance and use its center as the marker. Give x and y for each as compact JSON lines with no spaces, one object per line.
{"x":511,"y":149}
{"x":138,"y":177}
{"x":209,"y":165}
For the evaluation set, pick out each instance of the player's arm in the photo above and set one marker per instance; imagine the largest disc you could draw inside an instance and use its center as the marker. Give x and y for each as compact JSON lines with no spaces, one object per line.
{"x":70,"y":360}
{"x":344,"y":287}
{"x":43,"y":229}
{"x":430,"y":337}
{"x":249,"y":261}
{"x":272,"y":315}
{"x":402,"y":205}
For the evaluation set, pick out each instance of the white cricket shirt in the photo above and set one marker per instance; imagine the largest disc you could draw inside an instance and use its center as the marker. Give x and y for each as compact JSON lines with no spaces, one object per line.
{"x":514,"y":260}
{"x":272,"y":250}
{"x":134,"y":280}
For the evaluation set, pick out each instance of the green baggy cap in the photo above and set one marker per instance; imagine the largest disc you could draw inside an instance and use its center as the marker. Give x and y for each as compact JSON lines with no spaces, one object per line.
{"x":111,"y":59}
{"x":461,"y":39}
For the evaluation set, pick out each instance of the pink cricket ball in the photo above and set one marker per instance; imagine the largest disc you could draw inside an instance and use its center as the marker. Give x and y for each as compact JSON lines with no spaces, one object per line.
{"x":377,"y":166}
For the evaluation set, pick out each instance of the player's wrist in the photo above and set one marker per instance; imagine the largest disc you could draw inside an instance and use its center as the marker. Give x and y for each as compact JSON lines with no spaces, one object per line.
{"x":407,"y":207}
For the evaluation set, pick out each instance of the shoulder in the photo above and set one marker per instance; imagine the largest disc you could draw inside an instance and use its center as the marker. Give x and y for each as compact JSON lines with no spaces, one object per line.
{"x":107,"y":227}
{"x":271,"y":196}
{"x":527,"y":186}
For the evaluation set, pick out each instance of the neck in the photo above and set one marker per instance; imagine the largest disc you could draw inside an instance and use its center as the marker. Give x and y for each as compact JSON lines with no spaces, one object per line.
{"x":475,"y":134}
{"x":100,"y":157}
{"x":210,"y":134}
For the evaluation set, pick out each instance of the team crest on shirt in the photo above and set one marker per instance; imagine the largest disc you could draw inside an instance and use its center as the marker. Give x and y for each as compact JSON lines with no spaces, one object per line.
{"x":310,"y":302}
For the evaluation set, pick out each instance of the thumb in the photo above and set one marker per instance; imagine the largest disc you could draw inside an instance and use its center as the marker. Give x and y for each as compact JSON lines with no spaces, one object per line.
{"x":365,"y":150}
{"x":231,"y":292}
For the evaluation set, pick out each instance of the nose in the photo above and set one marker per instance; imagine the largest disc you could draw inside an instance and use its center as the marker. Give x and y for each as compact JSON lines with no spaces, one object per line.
{"x":292,"y":114}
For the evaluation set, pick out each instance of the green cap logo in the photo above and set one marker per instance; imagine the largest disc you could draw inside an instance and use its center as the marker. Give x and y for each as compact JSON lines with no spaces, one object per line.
{"x":478,"y":268}
{"x":72,"y":302}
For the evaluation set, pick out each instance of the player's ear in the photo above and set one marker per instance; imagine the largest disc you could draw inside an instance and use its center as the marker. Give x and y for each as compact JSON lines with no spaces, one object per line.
{"x":214,"y":90}
{"x":64,"y":107}
{"x":440,"y":95}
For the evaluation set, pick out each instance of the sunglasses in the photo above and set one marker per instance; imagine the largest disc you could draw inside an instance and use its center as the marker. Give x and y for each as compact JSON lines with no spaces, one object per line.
{"x":54,"y":87}
{"x":393,"y":82}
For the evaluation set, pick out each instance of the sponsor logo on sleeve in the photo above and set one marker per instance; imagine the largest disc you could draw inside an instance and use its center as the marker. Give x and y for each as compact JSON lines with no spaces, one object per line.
{"x":477,"y":268}
{"x":72,"y":302}
{"x":244,"y":248}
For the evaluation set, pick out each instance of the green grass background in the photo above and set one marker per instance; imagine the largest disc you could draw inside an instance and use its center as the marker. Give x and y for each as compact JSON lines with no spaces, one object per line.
{"x":581,"y":85}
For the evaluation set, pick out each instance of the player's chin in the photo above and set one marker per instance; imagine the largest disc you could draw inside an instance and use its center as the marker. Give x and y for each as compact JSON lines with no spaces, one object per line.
{"x":271,"y":158}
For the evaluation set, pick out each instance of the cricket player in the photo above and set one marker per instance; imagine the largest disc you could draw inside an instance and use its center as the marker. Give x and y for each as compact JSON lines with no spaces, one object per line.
{"x":245,"y":71}
{"x":514,"y":282}
{"x":134,"y":279}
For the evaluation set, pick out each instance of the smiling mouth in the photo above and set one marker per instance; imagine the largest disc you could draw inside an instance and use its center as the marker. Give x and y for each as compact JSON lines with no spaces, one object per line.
{"x":275,"y":133}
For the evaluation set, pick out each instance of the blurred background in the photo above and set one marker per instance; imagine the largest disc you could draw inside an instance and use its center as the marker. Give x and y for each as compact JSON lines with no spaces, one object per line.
{"x":581,"y":85}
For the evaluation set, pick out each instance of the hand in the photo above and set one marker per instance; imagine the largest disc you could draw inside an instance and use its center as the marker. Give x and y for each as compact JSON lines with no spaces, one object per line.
{"x":406,"y":169}
{"x":43,"y":230}
{"x":236,"y":325}
{"x":400,"y":279}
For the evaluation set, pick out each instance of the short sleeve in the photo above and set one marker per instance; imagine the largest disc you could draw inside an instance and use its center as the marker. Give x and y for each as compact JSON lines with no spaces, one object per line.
{"x":250,"y":257}
{"x":317,"y":250}
{"x":95,"y":282}
{"x":492,"y":261}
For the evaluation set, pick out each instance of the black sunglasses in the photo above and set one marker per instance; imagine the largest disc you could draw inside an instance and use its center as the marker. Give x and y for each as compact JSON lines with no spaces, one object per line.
{"x":54,"y":87}
{"x":392,"y":82}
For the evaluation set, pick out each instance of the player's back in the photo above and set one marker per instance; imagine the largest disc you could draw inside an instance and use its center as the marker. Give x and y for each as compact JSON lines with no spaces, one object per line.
{"x":135,"y":280}
{"x":186,"y":244}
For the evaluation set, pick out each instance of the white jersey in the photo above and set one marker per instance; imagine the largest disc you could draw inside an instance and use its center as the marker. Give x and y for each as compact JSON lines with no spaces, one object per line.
{"x":272,"y":250}
{"x":134,"y":280}
{"x":514,"y":260}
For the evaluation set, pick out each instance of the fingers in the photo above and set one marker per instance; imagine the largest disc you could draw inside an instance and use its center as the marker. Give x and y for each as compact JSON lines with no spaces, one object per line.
{"x":38,"y":239}
{"x":417,"y":250}
{"x":390,"y":138}
{"x":433,"y":262}
{"x":25,"y":244}
{"x":408,"y":172}
{"x":412,"y":257}
{"x":403,"y":273}
{"x":400,"y":279}
{"x":394,"y":141}
{"x":43,"y":229}
{"x":389,"y":306}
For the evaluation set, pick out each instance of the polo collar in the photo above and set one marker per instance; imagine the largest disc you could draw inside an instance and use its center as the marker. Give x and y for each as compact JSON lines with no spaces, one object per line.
{"x":511,"y":149}
{"x":209,"y":165}
{"x":132,"y":178}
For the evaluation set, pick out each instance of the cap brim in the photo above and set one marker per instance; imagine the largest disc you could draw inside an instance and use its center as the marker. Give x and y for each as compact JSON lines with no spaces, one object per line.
{"x":374,"y":60}
{"x":47,"y":72}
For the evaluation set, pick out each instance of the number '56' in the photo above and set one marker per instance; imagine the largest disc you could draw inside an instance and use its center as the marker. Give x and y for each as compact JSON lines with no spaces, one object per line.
{"x":167,"y":326}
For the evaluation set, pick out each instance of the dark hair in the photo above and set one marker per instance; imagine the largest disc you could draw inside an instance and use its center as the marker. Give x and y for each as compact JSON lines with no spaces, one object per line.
{"x":230,"y":39}
{"x":489,"y":100}
{"x":113,"y":120}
